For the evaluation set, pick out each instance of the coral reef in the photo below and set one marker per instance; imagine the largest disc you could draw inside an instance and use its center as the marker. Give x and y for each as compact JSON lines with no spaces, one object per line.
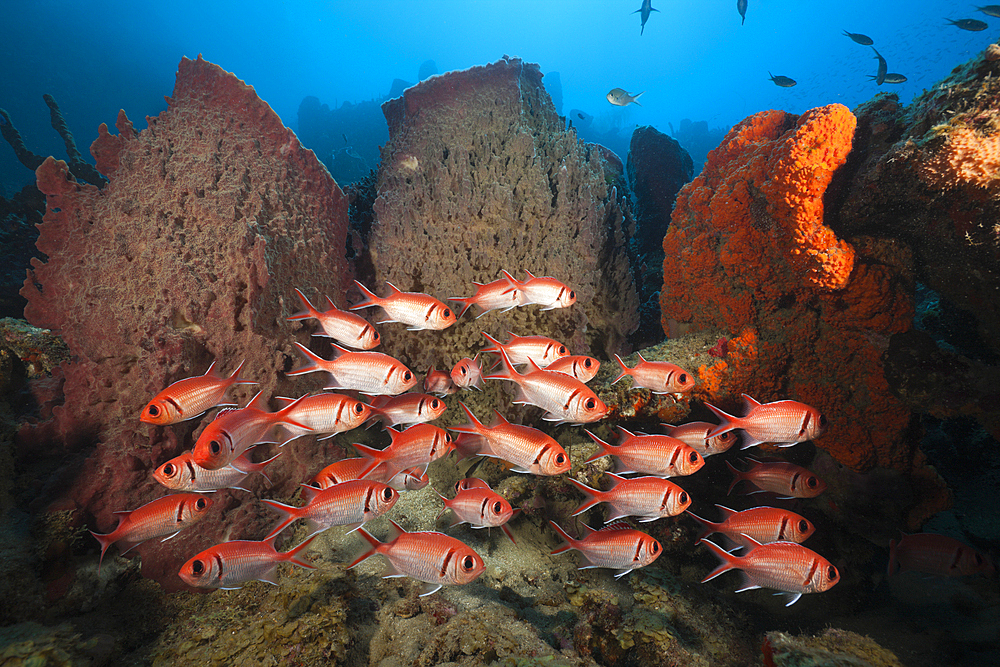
{"x":479,"y":176}
{"x":832,"y":648}
{"x":209,"y":218}
{"x":657,"y":168}
{"x":808,"y":313}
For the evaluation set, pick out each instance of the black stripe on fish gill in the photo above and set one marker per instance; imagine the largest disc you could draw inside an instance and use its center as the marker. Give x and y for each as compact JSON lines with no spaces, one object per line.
{"x":447,"y":559}
{"x":805,"y":424}
{"x":795,"y":480}
{"x":420,"y":407}
{"x":573,"y":394}
{"x":427,"y":315}
{"x":364,"y":330}
{"x":482,"y":508}
{"x":340,"y":411}
{"x":955,"y":559}
{"x":389,"y":374}
{"x":562,"y":290}
{"x":676,"y":455}
{"x":548,"y":348}
{"x":638,"y":550}
{"x":180,"y":511}
{"x":812,"y":571}
{"x":218,"y":563}
{"x":666,"y":499}
{"x":190,"y":466}
{"x":177,"y":406}
{"x":368,"y":498}
{"x":541,"y":453}
{"x":229,"y":438}
{"x":781,"y":530}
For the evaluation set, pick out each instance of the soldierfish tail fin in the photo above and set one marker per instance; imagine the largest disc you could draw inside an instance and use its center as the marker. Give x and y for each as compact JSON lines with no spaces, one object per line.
{"x":314,"y":362}
{"x":290,"y":514}
{"x":708,"y":526}
{"x":443,"y":509}
{"x":570,"y":543}
{"x":625,"y":369}
{"x":594,"y":497}
{"x":738,"y":476}
{"x":105,"y":540}
{"x":729,"y":561}
{"x":375,"y":456}
{"x":308,"y":313}
{"x":507,"y":373}
{"x":605,"y":447}
{"x":372,"y":542}
{"x":250,"y":467}
{"x":369,"y":298}
{"x":474,"y":426}
{"x":290,"y":555}
{"x":466,"y":302}
{"x":727,"y":422}
{"x":235,"y":377}
{"x":281,"y":416}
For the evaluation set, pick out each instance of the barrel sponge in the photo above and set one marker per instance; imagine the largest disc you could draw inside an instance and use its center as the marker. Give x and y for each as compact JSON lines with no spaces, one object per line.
{"x":478,"y":177}
{"x":189,"y":254}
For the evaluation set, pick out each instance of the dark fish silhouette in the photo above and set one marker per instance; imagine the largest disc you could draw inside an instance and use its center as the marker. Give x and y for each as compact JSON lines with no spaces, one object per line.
{"x":990,"y":10}
{"x":741,"y":7}
{"x":783,"y":81}
{"x":883,"y":68}
{"x":863,"y":40}
{"x":973,"y":25}
{"x":644,"y":11}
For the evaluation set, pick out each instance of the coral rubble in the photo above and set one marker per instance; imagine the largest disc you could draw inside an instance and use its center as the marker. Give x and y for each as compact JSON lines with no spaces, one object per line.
{"x":209,"y":218}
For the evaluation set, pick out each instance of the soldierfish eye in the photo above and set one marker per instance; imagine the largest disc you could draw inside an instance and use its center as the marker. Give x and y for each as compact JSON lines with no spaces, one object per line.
{"x":375,"y":335}
{"x":822,"y":421}
{"x":463,"y":369}
{"x":407,"y":375}
{"x":497,"y":507}
{"x":197,"y":568}
{"x":562,"y":349}
{"x":832,"y":573}
{"x":447,"y":312}
{"x":590,"y":404}
{"x":359,"y":408}
{"x":468,"y":563}
{"x":153,"y":410}
{"x":587,"y":363}
{"x":435,"y":403}
{"x":214,"y":447}
{"x":812,"y":482}
{"x":387,"y":493}
{"x":803,"y":526}
{"x":656,"y":547}
{"x":693,"y":457}
{"x":169,"y":470}
{"x":683,"y":497}
{"x":683,"y":378}
{"x":572,"y":294}
{"x":201,"y":504}
{"x":560,"y":458}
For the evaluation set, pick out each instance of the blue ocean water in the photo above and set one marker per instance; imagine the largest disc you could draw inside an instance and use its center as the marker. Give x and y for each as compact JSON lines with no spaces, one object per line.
{"x":693,"y":60}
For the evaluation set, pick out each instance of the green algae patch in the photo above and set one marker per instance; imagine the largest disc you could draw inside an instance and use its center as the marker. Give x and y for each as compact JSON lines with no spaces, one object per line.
{"x":832,"y":648}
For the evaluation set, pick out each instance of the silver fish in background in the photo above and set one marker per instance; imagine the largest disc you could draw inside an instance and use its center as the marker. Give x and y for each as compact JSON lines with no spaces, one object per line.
{"x":620,"y":98}
{"x":646,"y":10}
{"x":863,"y":40}
{"x":782,"y":81}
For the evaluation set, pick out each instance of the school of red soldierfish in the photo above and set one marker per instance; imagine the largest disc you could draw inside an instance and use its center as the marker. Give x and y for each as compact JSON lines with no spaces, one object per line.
{"x":353,"y":491}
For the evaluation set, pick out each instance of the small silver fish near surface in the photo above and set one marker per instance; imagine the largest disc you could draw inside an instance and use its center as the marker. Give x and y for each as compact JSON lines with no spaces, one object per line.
{"x":617,"y":546}
{"x":620,"y":98}
{"x":863,"y":40}
{"x":973,"y":25}
{"x":645,"y":10}
{"x":890,"y":77}
{"x":741,"y":7}
{"x":990,"y":10}
{"x":784,"y":566}
{"x":782,"y":81}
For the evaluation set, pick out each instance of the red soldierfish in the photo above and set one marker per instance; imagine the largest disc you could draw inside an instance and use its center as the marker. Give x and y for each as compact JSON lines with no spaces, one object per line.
{"x":761,"y":524}
{"x":411,"y":479}
{"x":191,"y":397}
{"x":429,"y":557}
{"x":346,"y":328}
{"x":232,"y":433}
{"x":181,"y":473}
{"x":367,"y":372}
{"x":527,"y":448}
{"x":543,"y":351}
{"x":349,"y":503}
{"x":418,"y":445}
{"x":325,"y":415}
{"x":649,"y":498}
{"x":581,"y":367}
{"x":409,"y":408}
{"x":617,"y":545}
{"x":498,"y":294}
{"x":481,"y":508}
{"x":659,"y":377}
{"x":231,"y":564}
{"x":936,"y":554}
{"x":696,"y":435}
{"x":546,"y":292}
{"x":784,"y":566}
{"x":787,"y":479}
{"x":439,"y":382}
{"x":658,"y":455}
{"x":419,"y":311}
{"x":467,"y":374}
{"x":470,"y":483}
{"x":783,"y":423}
{"x":164,"y":516}
{"x":564,"y":398}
